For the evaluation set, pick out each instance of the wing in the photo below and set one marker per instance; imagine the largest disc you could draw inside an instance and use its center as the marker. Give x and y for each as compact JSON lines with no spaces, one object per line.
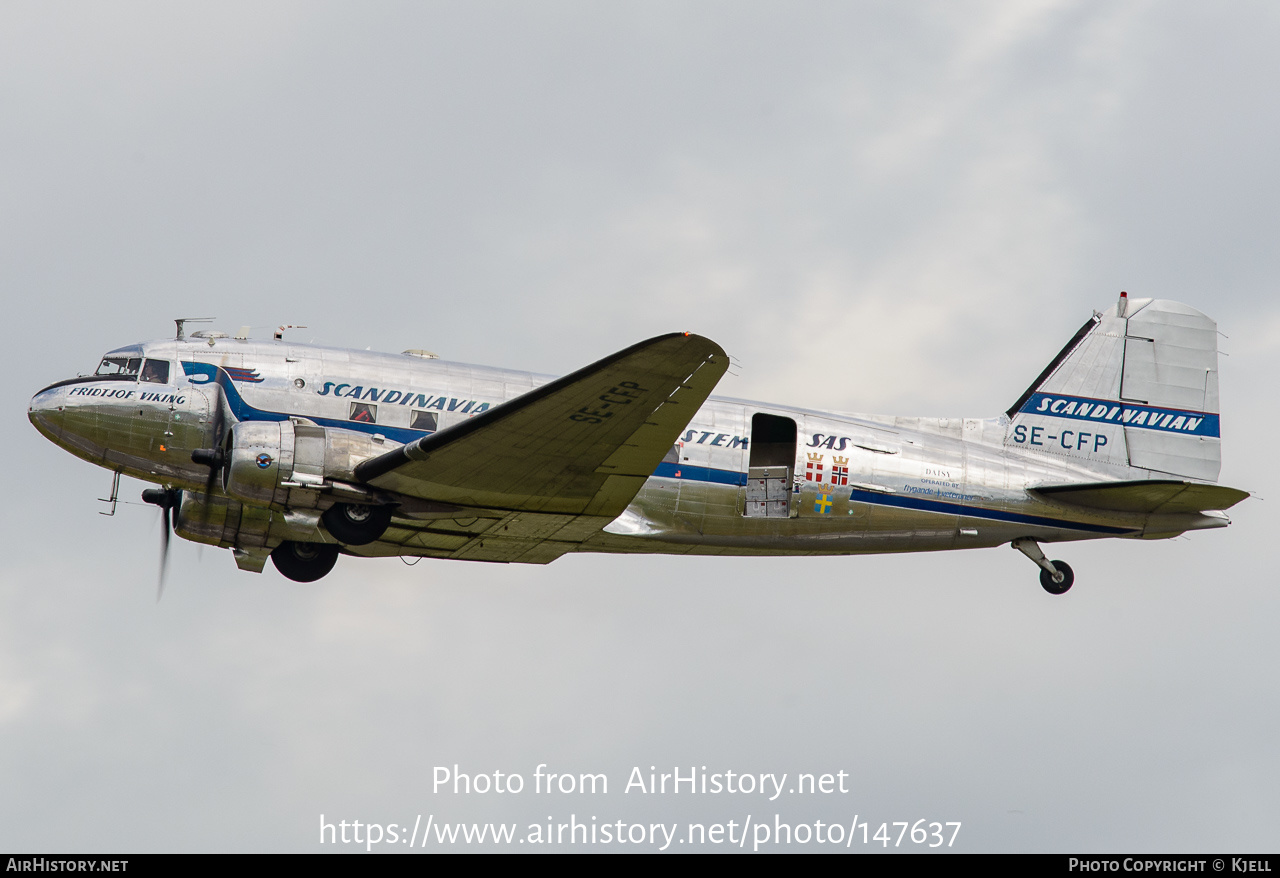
{"x":581,"y":445}
{"x":1146,"y":495}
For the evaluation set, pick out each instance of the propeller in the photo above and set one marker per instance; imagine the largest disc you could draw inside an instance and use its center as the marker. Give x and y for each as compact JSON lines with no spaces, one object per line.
{"x":213,"y":458}
{"x":168,"y":499}
{"x":216,"y":457}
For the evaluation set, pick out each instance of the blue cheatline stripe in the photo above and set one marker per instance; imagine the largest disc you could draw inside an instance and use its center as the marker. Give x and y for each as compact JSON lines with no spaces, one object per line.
{"x":979,"y":512}
{"x":729,"y":477}
{"x":1126,"y":414}
{"x":700,"y":474}
{"x":245,"y":412}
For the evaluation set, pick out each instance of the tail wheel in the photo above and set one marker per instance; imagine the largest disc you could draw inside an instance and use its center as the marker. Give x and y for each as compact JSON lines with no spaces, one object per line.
{"x":1068,"y":578}
{"x":353,"y":524}
{"x":304,"y":562}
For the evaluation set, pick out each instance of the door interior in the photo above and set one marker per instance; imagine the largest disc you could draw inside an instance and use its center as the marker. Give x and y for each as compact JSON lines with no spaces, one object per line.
{"x":769,"y":467}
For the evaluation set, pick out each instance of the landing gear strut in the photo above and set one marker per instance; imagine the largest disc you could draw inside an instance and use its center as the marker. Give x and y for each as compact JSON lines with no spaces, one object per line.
{"x":1055,"y":576}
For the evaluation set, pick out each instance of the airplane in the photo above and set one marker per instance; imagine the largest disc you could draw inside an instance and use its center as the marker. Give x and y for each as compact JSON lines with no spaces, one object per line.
{"x":301,"y":453}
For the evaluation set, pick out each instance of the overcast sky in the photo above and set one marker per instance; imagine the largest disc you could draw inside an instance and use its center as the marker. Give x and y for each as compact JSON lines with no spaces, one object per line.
{"x":894,"y":207}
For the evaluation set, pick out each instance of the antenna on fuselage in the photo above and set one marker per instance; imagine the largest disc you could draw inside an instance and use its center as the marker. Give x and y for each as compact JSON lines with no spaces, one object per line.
{"x":279,"y":333}
{"x":183,"y":320}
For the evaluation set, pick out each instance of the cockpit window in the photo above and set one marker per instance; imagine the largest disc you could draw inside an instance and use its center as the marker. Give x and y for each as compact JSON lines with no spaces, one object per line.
{"x":156,"y":371}
{"x":127,"y":366}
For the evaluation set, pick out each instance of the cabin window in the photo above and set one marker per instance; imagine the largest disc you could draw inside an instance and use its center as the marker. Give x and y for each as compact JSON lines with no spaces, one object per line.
{"x":156,"y":371}
{"x":112,"y":366}
{"x":364,"y":413}
{"x":425,"y":420}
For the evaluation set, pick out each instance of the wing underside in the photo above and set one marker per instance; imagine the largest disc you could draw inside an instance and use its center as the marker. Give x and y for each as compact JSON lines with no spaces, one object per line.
{"x":540,"y":473}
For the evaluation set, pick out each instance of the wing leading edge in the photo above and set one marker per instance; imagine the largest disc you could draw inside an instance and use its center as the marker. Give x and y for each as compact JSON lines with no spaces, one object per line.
{"x":581,"y":445}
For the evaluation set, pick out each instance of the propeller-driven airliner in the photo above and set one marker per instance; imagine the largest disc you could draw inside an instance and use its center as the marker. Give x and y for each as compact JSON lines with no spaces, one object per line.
{"x":301,"y":453}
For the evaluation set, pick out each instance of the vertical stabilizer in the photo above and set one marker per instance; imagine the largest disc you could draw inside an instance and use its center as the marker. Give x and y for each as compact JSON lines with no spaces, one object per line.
{"x":1137,"y":387}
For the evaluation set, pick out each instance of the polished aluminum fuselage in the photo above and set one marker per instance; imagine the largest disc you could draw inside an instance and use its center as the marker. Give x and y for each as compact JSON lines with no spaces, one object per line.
{"x":857,"y":483}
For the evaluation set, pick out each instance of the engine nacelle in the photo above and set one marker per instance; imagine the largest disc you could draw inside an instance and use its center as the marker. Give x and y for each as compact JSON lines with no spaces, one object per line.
{"x":222,"y":521}
{"x":286,"y":463}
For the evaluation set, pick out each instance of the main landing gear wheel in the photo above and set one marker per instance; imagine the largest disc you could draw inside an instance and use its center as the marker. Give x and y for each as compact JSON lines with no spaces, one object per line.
{"x":1046,"y":579}
{"x":304,"y":562}
{"x":353,"y":524}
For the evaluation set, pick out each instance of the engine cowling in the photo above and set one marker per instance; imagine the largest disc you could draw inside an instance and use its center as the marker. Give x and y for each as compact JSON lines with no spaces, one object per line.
{"x":288,"y":463}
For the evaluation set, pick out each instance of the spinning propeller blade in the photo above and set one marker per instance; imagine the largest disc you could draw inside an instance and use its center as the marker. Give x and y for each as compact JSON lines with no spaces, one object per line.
{"x":167,"y":499}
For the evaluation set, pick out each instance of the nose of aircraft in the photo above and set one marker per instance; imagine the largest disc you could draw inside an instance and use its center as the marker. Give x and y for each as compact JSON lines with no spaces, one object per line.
{"x":45,"y":411}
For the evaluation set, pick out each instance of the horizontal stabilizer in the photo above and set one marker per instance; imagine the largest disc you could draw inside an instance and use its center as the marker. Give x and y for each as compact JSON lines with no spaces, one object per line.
{"x":1145,"y":495}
